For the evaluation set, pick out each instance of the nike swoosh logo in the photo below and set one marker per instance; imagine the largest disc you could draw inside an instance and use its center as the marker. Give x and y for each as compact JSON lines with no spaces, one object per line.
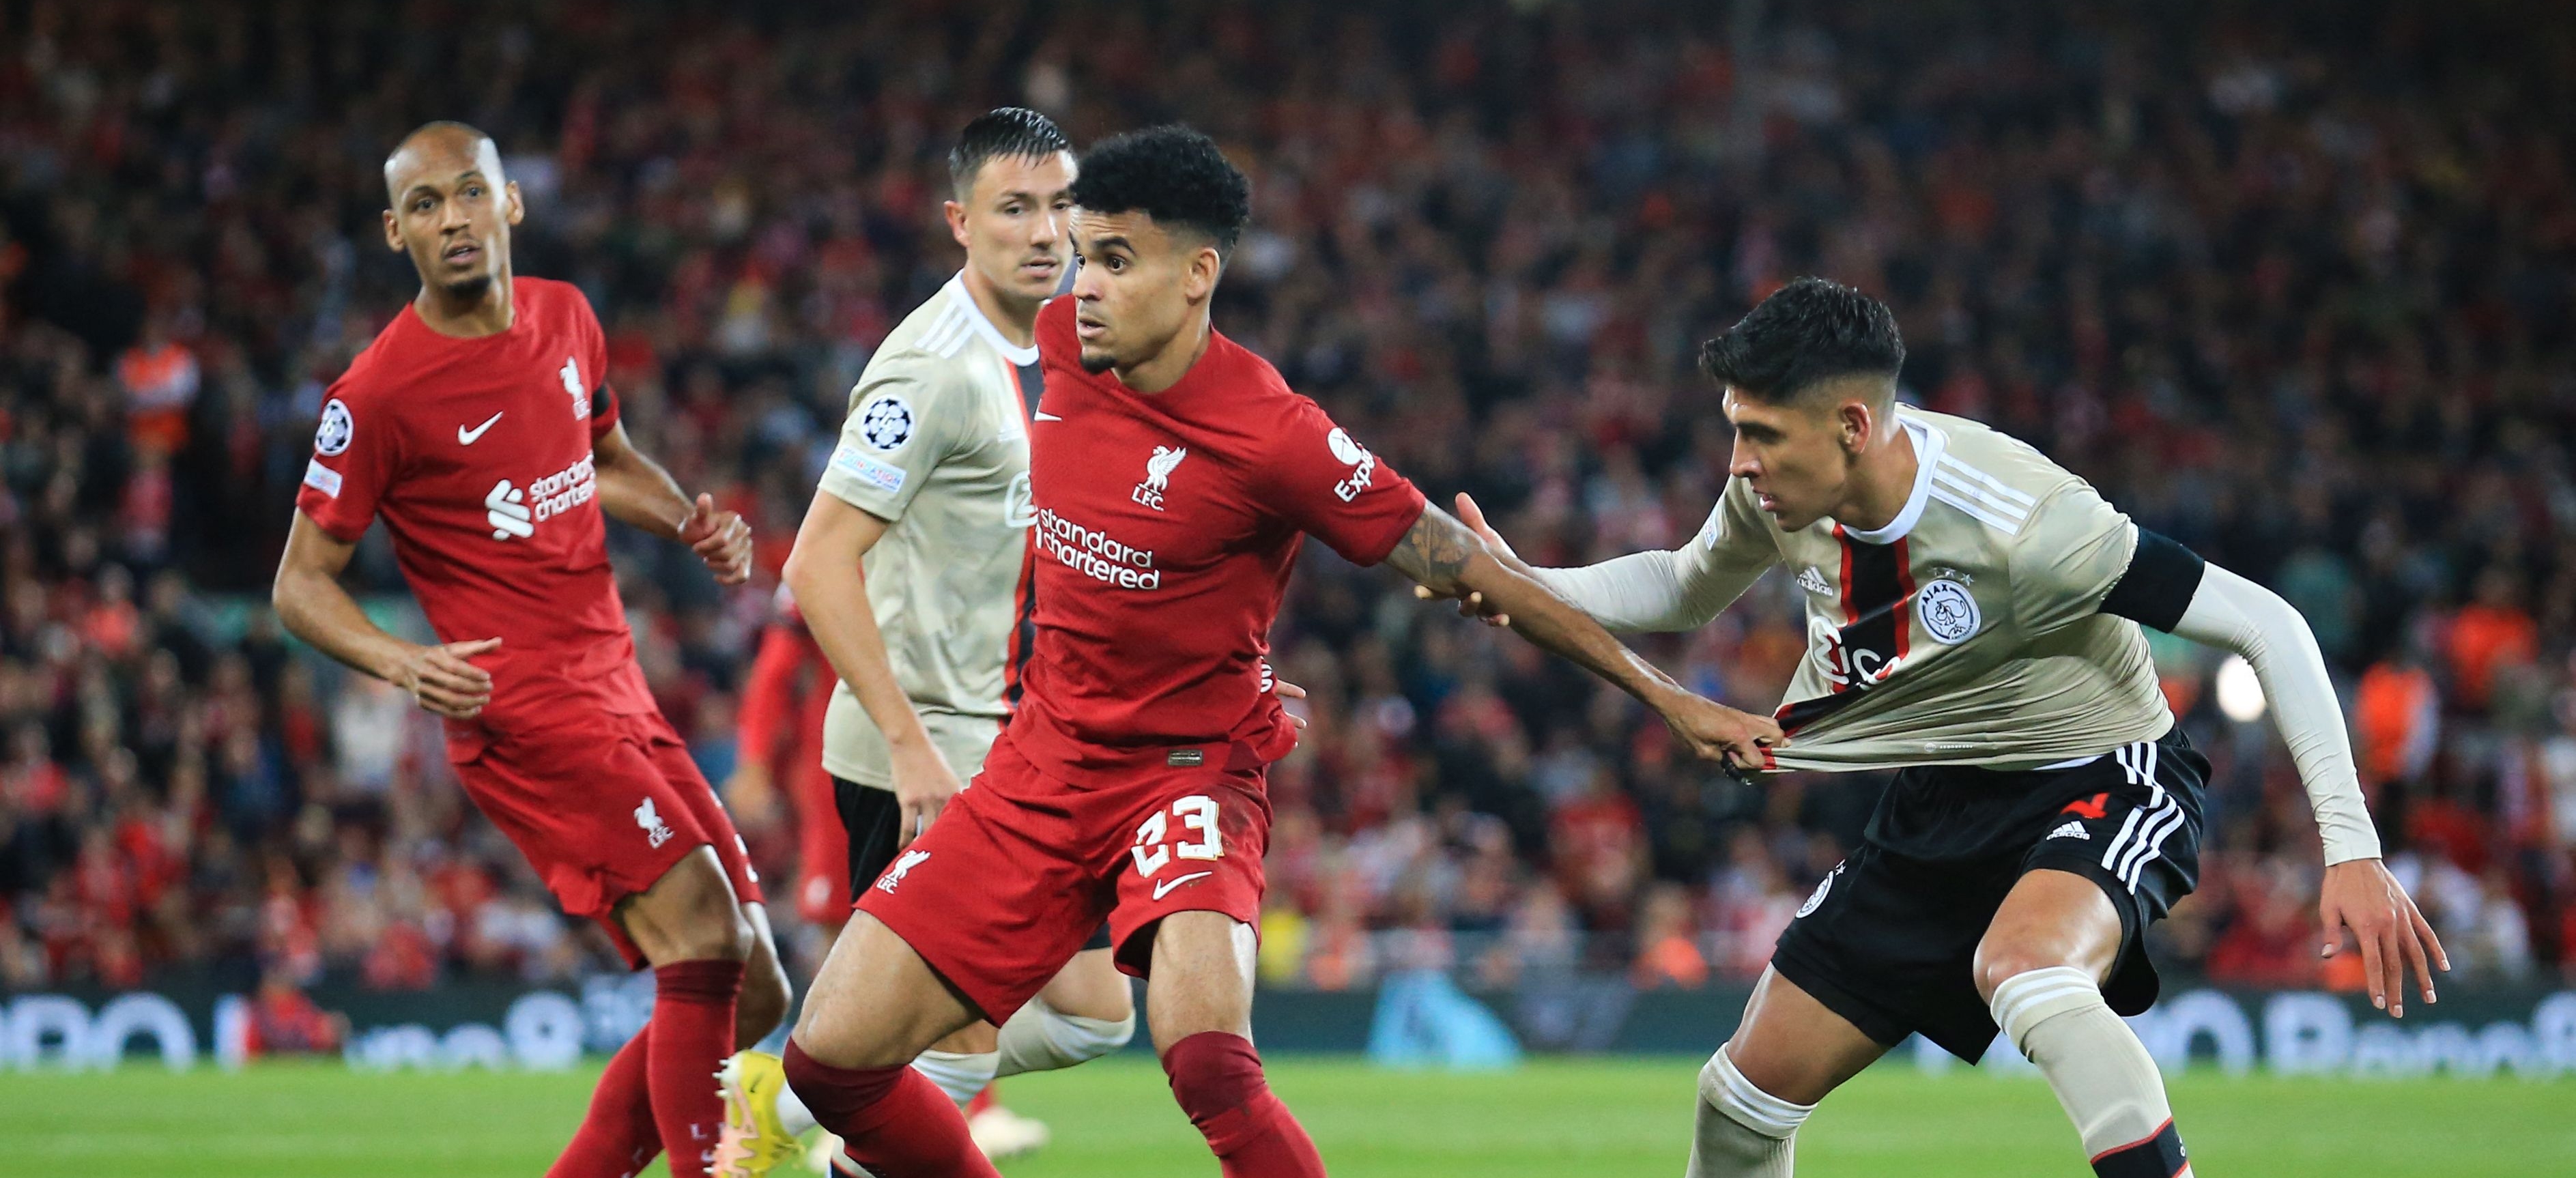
{"x":1043,"y":415}
{"x":467,"y":437}
{"x":1165,"y":888}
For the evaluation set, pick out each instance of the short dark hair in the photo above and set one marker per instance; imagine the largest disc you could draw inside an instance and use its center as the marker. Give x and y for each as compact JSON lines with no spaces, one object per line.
{"x":1007,"y":131}
{"x":1174,"y":175}
{"x":1809,"y":331}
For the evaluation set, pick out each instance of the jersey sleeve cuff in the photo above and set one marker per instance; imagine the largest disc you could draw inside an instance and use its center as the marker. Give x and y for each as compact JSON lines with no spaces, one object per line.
{"x":1397,"y":524}
{"x":338,"y":530}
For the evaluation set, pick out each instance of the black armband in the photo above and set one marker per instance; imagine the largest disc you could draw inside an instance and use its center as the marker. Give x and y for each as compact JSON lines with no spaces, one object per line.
{"x":601,"y":399}
{"x":2163,"y":575}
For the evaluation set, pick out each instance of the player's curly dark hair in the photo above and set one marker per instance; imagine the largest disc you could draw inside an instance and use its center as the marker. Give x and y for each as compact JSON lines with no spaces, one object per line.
{"x":1811,"y":330}
{"x":1005,"y":131}
{"x":1171,"y":173}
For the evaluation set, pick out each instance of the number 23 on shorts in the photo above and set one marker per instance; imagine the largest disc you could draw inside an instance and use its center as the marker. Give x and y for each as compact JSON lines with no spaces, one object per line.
{"x":1197,"y":813}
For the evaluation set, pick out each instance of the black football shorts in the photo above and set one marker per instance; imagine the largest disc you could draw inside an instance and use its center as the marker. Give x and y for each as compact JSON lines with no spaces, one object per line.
{"x":1889,"y":938}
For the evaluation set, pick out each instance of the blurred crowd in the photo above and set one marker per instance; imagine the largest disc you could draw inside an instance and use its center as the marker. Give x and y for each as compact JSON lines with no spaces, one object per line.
{"x":2292,"y":283}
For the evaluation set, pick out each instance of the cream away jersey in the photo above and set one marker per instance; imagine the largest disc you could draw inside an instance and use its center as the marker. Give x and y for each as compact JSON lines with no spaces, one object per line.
{"x":937,"y":445}
{"x":1967,"y":631}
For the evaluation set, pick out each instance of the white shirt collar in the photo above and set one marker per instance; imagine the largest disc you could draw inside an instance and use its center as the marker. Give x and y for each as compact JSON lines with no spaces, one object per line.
{"x":1928,"y":443}
{"x":1017,"y":355}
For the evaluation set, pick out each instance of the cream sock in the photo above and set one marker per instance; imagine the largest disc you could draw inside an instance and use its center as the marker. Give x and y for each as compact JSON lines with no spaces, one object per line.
{"x":1743,"y":1132}
{"x":2102,"y":1075}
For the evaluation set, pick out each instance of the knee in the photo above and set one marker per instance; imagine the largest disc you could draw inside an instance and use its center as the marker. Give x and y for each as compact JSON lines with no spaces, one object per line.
{"x":763,"y":1004}
{"x":1041,"y":1038}
{"x":689,"y":915}
{"x":714,"y":934}
{"x":1212,"y":1073}
{"x":2000,"y":960}
{"x":1724,"y":1089}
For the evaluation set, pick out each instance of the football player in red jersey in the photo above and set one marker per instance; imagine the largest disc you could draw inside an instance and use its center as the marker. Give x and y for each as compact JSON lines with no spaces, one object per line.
{"x":478,"y":426}
{"x":1174,"y":478}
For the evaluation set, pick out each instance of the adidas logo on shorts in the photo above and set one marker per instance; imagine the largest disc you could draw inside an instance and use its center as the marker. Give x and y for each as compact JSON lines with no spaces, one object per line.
{"x":2071,"y":830}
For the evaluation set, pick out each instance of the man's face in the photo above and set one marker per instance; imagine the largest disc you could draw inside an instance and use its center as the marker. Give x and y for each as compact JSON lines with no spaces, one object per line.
{"x":1134,"y":286}
{"x":452,"y":211}
{"x":1794,"y":454}
{"x":1013,"y":224}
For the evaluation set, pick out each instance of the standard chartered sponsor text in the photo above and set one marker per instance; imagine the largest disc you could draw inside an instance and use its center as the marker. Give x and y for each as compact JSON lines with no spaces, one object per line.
{"x":1096,"y":554}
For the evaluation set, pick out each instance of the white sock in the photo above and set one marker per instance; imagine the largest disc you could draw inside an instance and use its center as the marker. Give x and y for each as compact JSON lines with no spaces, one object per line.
{"x":1040,"y":1038}
{"x":2102,"y":1075}
{"x":959,"y":1074}
{"x":1742,"y":1131}
{"x":792,"y":1112}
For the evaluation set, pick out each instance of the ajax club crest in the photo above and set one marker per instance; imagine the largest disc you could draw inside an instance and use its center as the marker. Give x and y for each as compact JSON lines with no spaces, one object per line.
{"x":1947,"y":610}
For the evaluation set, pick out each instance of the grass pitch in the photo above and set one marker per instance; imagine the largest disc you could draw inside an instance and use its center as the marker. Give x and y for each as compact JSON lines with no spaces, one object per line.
{"x":1556,"y":1118}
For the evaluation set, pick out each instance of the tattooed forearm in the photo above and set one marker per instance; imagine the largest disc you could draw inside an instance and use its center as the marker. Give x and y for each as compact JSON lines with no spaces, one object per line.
{"x":1440,"y":554}
{"x":1436,"y":550}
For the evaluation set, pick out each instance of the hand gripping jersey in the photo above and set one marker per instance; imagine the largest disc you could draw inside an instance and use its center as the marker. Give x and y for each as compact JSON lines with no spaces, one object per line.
{"x":1166,"y":528}
{"x":1967,"y":631}
{"x":477,"y":455}
{"x":937,"y":445}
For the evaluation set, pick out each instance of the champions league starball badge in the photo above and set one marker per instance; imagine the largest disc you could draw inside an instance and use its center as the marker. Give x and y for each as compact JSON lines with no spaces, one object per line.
{"x":886,"y":423}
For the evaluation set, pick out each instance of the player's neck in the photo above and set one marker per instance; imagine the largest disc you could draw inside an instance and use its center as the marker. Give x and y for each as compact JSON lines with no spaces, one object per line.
{"x":1168,"y":366}
{"x":489,"y":312}
{"x":1881,"y":483}
{"x":1016,"y":319}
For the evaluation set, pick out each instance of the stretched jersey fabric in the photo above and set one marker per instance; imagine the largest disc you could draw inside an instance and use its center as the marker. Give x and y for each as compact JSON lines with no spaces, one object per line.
{"x":1167,"y":525}
{"x":1967,"y":631}
{"x":476,"y":454}
{"x":937,"y":445}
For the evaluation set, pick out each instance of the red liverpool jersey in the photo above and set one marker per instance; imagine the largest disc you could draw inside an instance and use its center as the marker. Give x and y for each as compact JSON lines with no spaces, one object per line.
{"x":476,"y":453}
{"x":1166,"y":527}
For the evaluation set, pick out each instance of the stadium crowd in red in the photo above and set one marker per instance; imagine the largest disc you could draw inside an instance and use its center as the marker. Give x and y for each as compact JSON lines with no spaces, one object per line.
{"x":2308,"y":311}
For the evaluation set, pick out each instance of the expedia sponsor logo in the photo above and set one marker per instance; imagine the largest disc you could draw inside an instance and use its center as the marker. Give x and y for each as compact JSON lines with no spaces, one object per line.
{"x":1096,"y":554}
{"x":1363,"y":465}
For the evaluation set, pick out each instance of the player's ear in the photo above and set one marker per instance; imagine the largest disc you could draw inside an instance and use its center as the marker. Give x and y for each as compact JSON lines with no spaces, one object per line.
{"x":956,"y":214}
{"x":1205,"y":265}
{"x":1854,"y":422}
{"x":518,"y":207}
{"x":393,"y":233}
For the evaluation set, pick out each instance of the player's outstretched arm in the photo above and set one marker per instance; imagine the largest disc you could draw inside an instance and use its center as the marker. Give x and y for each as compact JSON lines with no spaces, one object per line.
{"x":1663,"y":590}
{"x":2234,"y":614}
{"x":637,"y":491}
{"x":313,"y":607}
{"x":1443,"y":556}
{"x":824,"y":575}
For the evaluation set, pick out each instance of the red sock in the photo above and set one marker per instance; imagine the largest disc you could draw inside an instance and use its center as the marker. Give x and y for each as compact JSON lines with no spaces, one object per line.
{"x":692,"y":1034}
{"x":984,"y":1099}
{"x":1217,"y":1079}
{"x":892,"y":1120}
{"x":617,"y":1138}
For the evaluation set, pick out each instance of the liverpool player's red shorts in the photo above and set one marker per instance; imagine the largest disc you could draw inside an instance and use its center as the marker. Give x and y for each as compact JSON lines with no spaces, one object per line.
{"x":1020,"y":868}
{"x":822,"y":847}
{"x":602,"y":809}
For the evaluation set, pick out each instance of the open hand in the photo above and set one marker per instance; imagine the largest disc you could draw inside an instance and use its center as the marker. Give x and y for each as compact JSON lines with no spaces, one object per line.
{"x":2362,"y":896}
{"x":1715,"y":732}
{"x":720,"y":538}
{"x":441,"y":681}
{"x":1473,"y":604}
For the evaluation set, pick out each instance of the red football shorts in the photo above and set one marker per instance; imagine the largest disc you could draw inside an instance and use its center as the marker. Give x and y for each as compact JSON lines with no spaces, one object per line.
{"x":1020,"y":869}
{"x":602,"y":809}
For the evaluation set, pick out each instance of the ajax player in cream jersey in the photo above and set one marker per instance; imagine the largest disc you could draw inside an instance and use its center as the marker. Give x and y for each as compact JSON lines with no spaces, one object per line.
{"x":910,"y":573}
{"x":1973,"y":615}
